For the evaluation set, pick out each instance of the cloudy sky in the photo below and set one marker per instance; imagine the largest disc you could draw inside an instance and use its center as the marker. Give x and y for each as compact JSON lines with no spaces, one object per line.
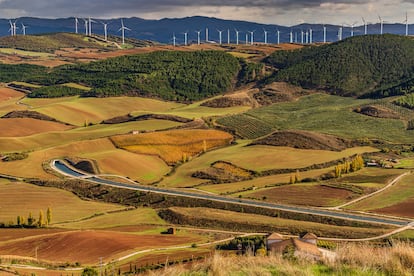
{"x":284,"y":12}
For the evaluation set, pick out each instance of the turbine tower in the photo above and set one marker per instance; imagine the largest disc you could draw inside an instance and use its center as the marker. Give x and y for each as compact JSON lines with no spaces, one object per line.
{"x":76,"y":25}
{"x":105,"y":30}
{"x":340,"y":33}
{"x":307,"y":37}
{"x":251,"y":37}
{"x":291,"y":37}
{"x":11,"y":28}
{"x":206,"y":34}
{"x":122,"y":29}
{"x":86,"y":26}
{"x":301,"y":37}
{"x":198,"y":37}
{"x":15,"y":28}
{"x":237,"y":36}
{"x":381,"y":24}
{"x":352,"y":28}
{"x":324,"y":34}
{"x":174,"y":39}
{"x":228,"y":36}
{"x":265,"y":36}
{"x":406,"y":24}
{"x":278,"y":37}
{"x":220,"y":36}
{"x":24,"y":29}
{"x":365,"y":26}
{"x":90,"y":25}
{"x":186,"y":38}
{"x":247,"y":38}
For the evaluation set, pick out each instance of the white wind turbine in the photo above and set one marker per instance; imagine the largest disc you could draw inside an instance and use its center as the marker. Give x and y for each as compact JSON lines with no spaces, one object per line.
{"x":122,"y":29}
{"x":228,"y":36}
{"x":174,"y":40}
{"x":247,"y":38}
{"x":291,"y":36}
{"x":381,"y":24}
{"x":206,"y":34}
{"x":76,"y":24}
{"x":24,"y":27}
{"x":220,"y":36}
{"x":185,"y":38}
{"x":15,"y":27}
{"x":198,"y":37}
{"x":86,"y":26}
{"x":11,"y":28}
{"x":90,"y":25}
{"x":237,"y":36}
{"x":406,"y":24}
{"x":278,"y":37}
{"x":265,"y":36}
{"x":105,"y":30}
{"x":324,"y":34}
{"x":251,"y":37}
{"x":365,"y":26}
{"x":307,"y":37}
{"x":340,"y":33}
{"x":301,"y":36}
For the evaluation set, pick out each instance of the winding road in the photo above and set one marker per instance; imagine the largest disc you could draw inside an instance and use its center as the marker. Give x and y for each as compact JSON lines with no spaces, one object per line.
{"x":64,"y":169}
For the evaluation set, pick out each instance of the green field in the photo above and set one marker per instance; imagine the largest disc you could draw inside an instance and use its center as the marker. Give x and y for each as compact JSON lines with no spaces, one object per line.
{"x":12,"y":51}
{"x":64,"y":205}
{"x":321,"y":113}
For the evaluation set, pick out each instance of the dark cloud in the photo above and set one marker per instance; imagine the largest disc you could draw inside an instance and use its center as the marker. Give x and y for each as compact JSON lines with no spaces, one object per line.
{"x":59,"y":8}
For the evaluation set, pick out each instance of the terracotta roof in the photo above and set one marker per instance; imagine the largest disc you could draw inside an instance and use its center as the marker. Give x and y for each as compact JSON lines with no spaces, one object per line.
{"x":275,"y":236}
{"x":299,"y":245}
{"x":309,"y":236}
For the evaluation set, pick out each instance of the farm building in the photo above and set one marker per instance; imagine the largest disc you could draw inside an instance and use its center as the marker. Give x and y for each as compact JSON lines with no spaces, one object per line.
{"x":302,"y":247}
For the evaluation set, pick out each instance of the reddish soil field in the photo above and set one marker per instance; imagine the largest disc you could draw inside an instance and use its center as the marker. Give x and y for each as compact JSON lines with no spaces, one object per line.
{"x":19,"y":127}
{"x":13,"y":234}
{"x":403,"y":209}
{"x":7,"y":93}
{"x":312,"y":195}
{"x":87,"y":247}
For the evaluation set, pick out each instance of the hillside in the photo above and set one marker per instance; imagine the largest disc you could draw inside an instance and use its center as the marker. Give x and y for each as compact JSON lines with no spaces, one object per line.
{"x":182,"y":76}
{"x":363,"y":66}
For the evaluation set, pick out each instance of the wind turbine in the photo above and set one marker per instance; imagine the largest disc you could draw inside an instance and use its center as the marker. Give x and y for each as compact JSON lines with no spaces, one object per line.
{"x":174,"y":39}
{"x":123,"y":28}
{"x":291,"y":37}
{"x":365,"y":26}
{"x":324,"y":34}
{"x":251,"y":37}
{"x":278,"y":37}
{"x":76,"y":24}
{"x":237,"y":36}
{"x":198,"y":37}
{"x":90,"y":25}
{"x":340,"y":33}
{"x":301,"y":36}
{"x":228,"y":36}
{"x":14,"y":27}
{"x":220,"y":36}
{"x":307,"y":37}
{"x":11,"y":28}
{"x":24,"y":29}
{"x":86,"y":26}
{"x":206,"y":34}
{"x":185,"y":38}
{"x":265,"y":36}
{"x":247,"y":38}
{"x":381,"y":24}
{"x":105,"y":30}
{"x":406,"y":24}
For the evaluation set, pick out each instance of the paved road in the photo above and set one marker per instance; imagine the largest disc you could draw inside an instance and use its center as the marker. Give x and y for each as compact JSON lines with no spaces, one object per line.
{"x":65,"y":169}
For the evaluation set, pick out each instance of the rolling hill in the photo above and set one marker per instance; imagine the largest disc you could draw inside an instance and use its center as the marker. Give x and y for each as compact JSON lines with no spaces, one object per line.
{"x":363,"y":66}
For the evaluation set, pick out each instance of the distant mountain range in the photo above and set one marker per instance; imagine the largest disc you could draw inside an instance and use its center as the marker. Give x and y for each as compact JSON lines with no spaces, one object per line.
{"x":163,"y":30}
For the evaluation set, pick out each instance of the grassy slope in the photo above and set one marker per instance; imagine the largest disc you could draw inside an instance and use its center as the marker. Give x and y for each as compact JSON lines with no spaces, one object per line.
{"x":401,"y":192}
{"x":65,"y":206}
{"x":141,"y":216}
{"x":326,"y":114}
{"x":254,"y":158}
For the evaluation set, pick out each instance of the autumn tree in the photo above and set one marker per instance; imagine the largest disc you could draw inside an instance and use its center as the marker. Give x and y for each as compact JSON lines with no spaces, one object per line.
{"x":48,"y":215}
{"x":41,"y":220}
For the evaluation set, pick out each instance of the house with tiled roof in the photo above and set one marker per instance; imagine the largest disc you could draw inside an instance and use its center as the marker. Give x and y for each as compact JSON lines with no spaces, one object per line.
{"x":302,"y":247}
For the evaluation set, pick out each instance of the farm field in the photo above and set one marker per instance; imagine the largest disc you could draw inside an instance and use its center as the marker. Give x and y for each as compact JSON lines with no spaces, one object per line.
{"x":114,"y":161}
{"x":53,"y":139}
{"x":140,"y":216}
{"x":77,"y":111}
{"x":321,"y":113}
{"x":64,"y":205}
{"x":397,"y":200}
{"x":88,"y":246}
{"x":8,"y":99}
{"x":173,"y":145}
{"x":20,"y":127}
{"x":257,"y":158}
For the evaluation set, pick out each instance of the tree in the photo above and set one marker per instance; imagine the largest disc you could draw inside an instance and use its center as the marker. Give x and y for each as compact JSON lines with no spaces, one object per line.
{"x":30,"y":219}
{"x":88,"y":271}
{"x":19,"y":221}
{"x":41,"y":220}
{"x":48,"y":215}
{"x":297,"y":180}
